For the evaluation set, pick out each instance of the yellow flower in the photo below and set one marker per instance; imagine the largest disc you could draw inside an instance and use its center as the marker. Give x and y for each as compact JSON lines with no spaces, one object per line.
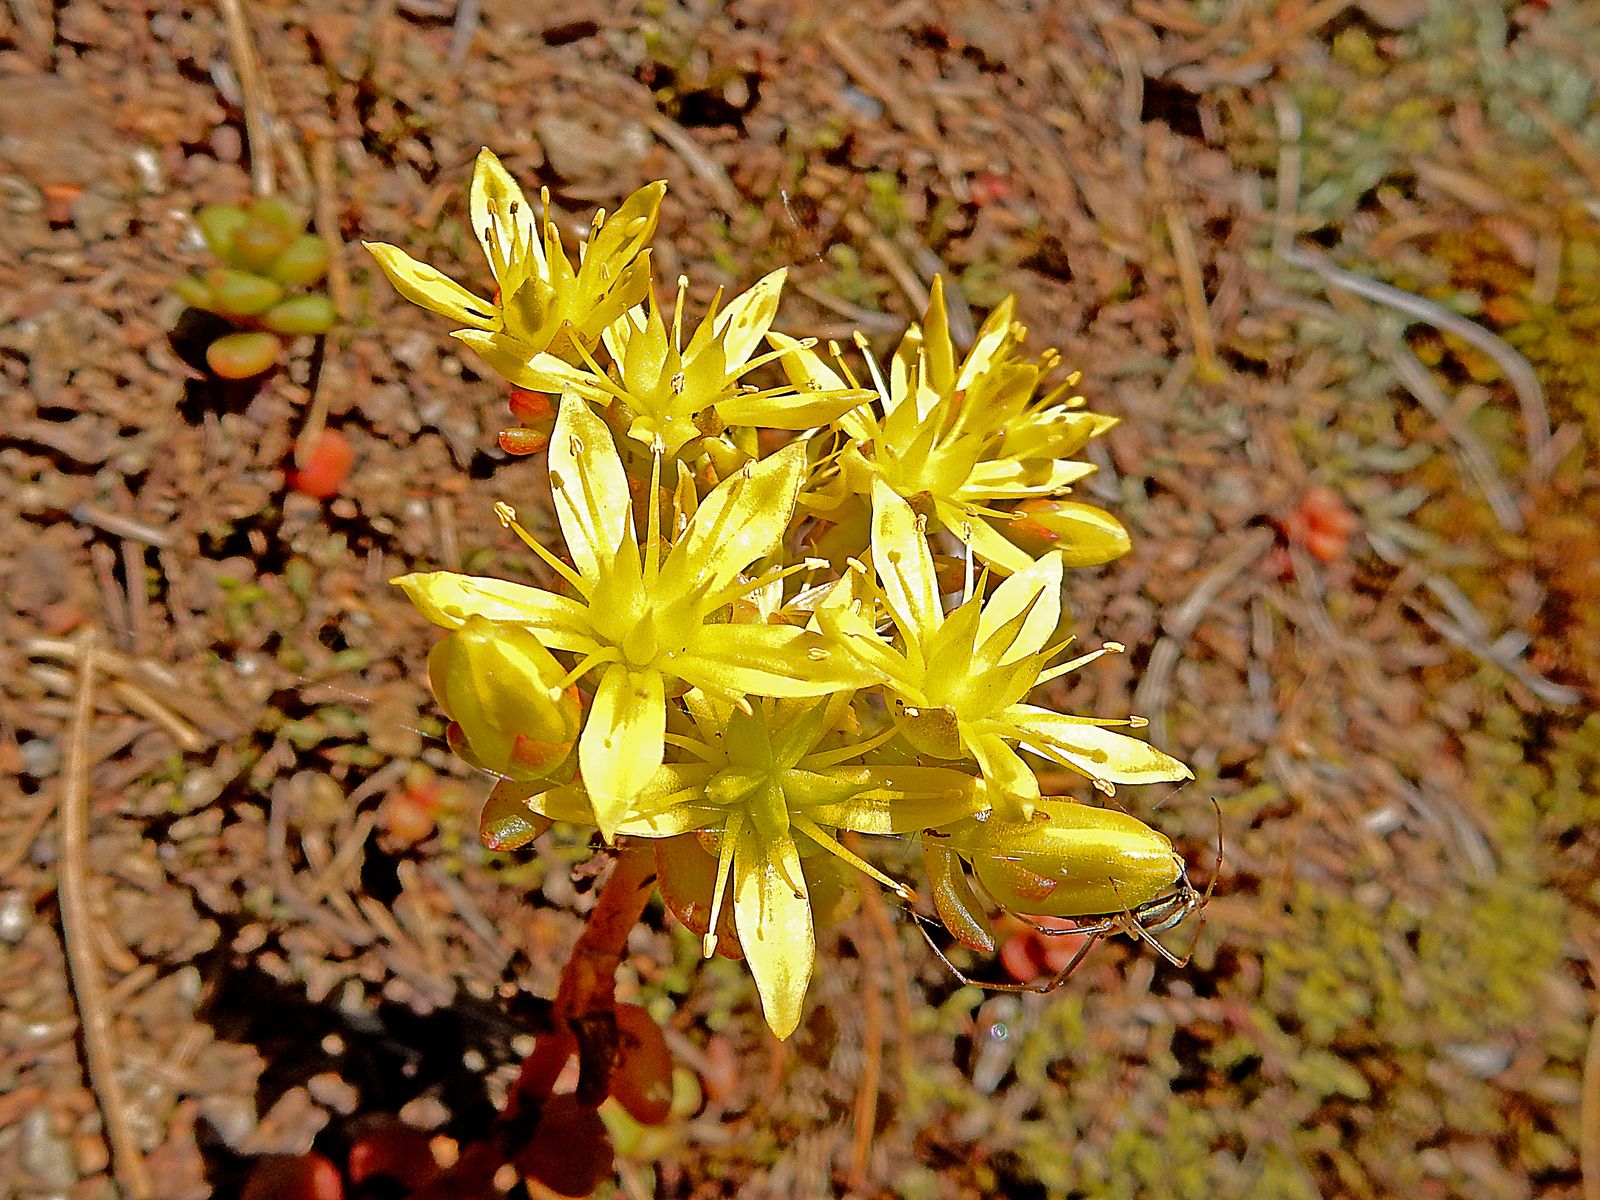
{"x":774,"y":784}
{"x":959,"y":439}
{"x":545,"y":311}
{"x":676,"y":393}
{"x":960,"y":680}
{"x":643,"y":623}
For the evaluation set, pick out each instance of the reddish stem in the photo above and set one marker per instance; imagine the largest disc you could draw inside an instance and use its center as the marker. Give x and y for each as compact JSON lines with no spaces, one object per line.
{"x":589,"y":980}
{"x":585,"y":1005}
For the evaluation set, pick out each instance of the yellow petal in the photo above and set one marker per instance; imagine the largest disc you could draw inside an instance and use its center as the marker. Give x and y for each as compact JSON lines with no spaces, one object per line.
{"x":590,"y":488}
{"x":904,"y":799}
{"x":496,"y":202}
{"x":1097,"y":752}
{"x":673,"y":802}
{"x":745,"y":321}
{"x":743,"y":519}
{"x":774,"y":926}
{"x":986,"y":541}
{"x":623,"y":742}
{"x":992,"y":338}
{"x":1013,"y":596}
{"x":766,"y":660}
{"x":432,"y":289}
{"x":938,"y":354}
{"x":904,"y":565}
{"x":1010,"y":785}
{"x":1013,"y":477}
{"x":808,"y":373}
{"x":521,"y":366}
{"x":789,"y":410}
{"x":448,"y":599}
{"x":627,"y":231}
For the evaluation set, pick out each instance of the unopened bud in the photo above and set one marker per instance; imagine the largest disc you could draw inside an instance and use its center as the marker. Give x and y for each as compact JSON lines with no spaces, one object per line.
{"x":1085,"y":535}
{"x":497,"y":682}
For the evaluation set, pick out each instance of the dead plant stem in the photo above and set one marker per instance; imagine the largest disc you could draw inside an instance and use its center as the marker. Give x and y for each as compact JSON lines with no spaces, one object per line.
{"x":83,"y":964}
{"x":258,"y":107}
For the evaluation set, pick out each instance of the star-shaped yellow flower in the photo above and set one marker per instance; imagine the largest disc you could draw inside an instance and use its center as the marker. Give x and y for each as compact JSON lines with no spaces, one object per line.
{"x":644,"y":624}
{"x":960,"y":680}
{"x":775,"y":784}
{"x":966,"y":441}
{"x":544,"y":309}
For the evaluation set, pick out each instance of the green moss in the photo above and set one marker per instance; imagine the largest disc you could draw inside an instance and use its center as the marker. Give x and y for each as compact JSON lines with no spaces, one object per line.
{"x":1335,"y":970}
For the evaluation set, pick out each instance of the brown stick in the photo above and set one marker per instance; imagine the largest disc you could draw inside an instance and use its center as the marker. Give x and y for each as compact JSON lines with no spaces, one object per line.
{"x":866,"y":1105}
{"x":258,"y":109}
{"x":88,"y":985}
{"x":877,"y":910}
{"x":326,"y":212}
{"x":1589,"y":1117}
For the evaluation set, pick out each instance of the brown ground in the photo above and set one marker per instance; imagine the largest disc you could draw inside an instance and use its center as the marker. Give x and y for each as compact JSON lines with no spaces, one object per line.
{"x":1393,"y":992}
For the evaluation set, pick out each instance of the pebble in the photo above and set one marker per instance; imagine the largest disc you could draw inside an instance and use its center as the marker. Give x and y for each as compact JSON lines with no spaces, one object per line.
{"x":226,"y":143}
{"x":231,"y":1116}
{"x":1482,"y":1059}
{"x":868,"y":106}
{"x":16,"y":916}
{"x":147,"y":166}
{"x":333,"y":1092}
{"x":41,"y":757}
{"x":46,"y":1154}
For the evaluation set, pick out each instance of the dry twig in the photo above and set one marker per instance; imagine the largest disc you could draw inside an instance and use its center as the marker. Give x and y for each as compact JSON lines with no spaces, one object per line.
{"x":138,"y":684}
{"x":326,"y":218}
{"x":465,"y":29}
{"x":875,"y":81}
{"x":704,"y":168}
{"x":1466,"y":627}
{"x":259,"y":113}
{"x":865,"y":1109}
{"x":136,"y":588}
{"x":88,"y":985}
{"x":1475,"y":458}
{"x":36,"y":29}
{"x":1589,"y":1117}
{"x":1524,"y":381}
{"x":121,"y":526}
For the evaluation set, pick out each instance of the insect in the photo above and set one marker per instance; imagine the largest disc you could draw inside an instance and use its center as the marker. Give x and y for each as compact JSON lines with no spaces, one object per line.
{"x":1141,"y":922}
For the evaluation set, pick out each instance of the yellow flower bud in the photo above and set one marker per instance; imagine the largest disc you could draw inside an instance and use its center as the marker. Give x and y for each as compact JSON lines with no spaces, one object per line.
{"x":497,"y":682}
{"x":1085,"y":535}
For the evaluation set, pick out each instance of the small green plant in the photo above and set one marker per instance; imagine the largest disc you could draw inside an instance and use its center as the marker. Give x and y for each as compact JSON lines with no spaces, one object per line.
{"x":267,"y":264}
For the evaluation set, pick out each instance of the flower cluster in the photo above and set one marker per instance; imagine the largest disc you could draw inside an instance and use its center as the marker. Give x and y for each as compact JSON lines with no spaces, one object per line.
{"x":745,"y":650}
